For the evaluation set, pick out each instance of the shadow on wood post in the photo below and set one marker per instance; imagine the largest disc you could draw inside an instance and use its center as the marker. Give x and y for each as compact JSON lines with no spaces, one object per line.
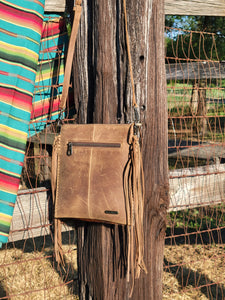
{"x":103,"y":95}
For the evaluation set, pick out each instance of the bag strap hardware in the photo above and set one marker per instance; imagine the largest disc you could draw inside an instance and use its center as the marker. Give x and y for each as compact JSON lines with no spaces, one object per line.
{"x":133,"y":176}
{"x":69,"y":61}
{"x":137,"y":123}
{"x":134,"y":102}
{"x":69,"y":149}
{"x":70,"y":53}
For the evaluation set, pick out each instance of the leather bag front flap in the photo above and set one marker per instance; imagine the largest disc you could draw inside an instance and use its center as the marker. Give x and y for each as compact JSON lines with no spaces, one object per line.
{"x":90,"y":178}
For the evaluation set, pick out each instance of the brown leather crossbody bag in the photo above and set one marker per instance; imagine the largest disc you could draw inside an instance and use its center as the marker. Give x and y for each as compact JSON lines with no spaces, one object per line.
{"x":97,"y":173}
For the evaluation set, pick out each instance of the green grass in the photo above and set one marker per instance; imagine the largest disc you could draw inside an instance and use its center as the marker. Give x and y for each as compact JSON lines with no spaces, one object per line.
{"x":196,"y":219}
{"x":183,"y":125}
{"x":179,"y":97}
{"x":185,"y":162}
{"x":180,"y":93}
{"x":215,"y":93}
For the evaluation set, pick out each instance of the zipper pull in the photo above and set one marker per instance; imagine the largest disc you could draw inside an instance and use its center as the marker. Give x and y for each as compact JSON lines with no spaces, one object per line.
{"x":69,"y":149}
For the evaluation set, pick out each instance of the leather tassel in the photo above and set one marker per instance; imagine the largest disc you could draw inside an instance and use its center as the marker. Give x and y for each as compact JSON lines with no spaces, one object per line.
{"x":58,"y":242}
{"x":134,"y":195}
{"x":138,"y":187}
{"x":57,"y":222}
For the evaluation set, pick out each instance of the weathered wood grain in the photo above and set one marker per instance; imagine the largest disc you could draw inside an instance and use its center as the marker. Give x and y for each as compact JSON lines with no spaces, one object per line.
{"x":96,"y":75}
{"x":189,"y":188}
{"x":32,"y":216}
{"x":195,"y":187}
{"x":172,"y":7}
{"x":195,"y":7}
{"x":103,"y":95}
{"x":55,"y":5}
{"x":43,"y":138}
{"x":208,"y":151}
{"x":195,"y":70}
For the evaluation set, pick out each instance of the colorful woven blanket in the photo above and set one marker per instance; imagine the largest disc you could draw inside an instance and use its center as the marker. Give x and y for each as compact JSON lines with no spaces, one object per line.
{"x":20,"y":31}
{"x":50,"y":73}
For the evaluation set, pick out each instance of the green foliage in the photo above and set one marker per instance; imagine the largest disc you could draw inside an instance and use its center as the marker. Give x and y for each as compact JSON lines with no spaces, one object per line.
{"x":195,"y":45}
{"x":180,"y":111}
{"x":68,"y":26}
{"x":197,"y":219}
{"x":182,"y":22}
{"x":67,"y":16}
{"x":179,"y":98}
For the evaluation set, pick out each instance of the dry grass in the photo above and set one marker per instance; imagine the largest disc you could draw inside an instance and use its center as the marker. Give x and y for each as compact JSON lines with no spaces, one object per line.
{"x":35,"y":275}
{"x":191,"y":272}
{"x":194,"y":272}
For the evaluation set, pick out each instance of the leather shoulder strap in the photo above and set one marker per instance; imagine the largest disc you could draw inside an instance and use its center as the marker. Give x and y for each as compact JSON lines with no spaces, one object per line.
{"x":77,"y":14}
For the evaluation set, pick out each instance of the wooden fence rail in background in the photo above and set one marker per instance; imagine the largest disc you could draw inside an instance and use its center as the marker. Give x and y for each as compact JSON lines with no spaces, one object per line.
{"x":55,"y":5}
{"x":195,"y":70}
{"x":195,"y":187}
{"x":172,"y":7}
{"x":195,"y":7}
{"x":189,"y":188}
{"x":32,"y":215}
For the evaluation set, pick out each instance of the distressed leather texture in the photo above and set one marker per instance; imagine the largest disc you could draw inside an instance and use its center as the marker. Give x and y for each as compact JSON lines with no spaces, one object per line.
{"x":90,"y":180}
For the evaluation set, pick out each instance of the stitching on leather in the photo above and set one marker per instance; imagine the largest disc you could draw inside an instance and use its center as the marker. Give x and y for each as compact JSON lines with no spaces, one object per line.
{"x":58,"y":169}
{"x":89,"y":175}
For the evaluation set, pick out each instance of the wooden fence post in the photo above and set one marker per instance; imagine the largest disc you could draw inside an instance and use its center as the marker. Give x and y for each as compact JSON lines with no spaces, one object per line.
{"x":103,"y":95}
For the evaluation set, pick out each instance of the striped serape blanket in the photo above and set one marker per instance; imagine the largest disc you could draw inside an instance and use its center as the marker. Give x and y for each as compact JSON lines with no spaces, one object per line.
{"x":20,"y":32}
{"x":50,"y":73}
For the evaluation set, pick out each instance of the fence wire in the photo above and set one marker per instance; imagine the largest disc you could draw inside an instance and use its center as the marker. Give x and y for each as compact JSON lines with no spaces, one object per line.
{"x":195,"y":236}
{"x":28,"y":269}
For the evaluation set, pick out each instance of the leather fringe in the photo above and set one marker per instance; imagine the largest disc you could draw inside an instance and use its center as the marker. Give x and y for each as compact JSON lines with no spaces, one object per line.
{"x":134,"y":195}
{"x":58,"y":242}
{"x":57,"y":222}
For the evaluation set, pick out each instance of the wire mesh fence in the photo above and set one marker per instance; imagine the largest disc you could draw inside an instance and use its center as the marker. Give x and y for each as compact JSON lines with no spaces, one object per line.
{"x":195,"y":241}
{"x":195,"y":237}
{"x":27,"y":266}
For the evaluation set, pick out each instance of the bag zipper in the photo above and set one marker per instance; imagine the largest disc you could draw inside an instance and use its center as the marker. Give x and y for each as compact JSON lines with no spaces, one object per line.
{"x":70,"y":145}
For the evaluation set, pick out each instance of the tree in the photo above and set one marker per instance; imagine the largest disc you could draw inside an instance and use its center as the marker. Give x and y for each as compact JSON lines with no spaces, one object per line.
{"x":197,"y":38}
{"x":103,"y":95}
{"x":209,"y":24}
